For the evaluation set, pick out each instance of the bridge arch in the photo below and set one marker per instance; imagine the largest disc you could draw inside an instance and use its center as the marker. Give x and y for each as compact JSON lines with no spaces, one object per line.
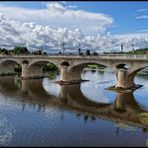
{"x":122,"y":65}
{"x":25,"y":62}
{"x":7,"y":66}
{"x":132,"y":74}
{"x":64,"y":63}
{"x":76,"y":70}
{"x":135,"y":71}
{"x":44,"y":61}
{"x":35,"y":68}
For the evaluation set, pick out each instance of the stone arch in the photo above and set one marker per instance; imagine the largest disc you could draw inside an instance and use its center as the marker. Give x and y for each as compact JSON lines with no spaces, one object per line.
{"x":7,"y":66}
{"x":43,"y":61}
{"x":25,"y":62}
{"x":76,"y":70}
{"x":10,"y":60}
{"x":64,"y":63}
{"x":131,"y":75}
{"x":135,"y":71}
{"x":35,"y":69}
{"x":122,"y":65}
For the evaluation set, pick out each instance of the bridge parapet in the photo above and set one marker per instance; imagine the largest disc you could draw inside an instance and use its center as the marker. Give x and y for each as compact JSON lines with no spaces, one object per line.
{"x":129,"y":56}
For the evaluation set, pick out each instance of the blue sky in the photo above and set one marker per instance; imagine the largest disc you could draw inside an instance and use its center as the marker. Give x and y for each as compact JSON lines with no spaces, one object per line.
{"x":97,"y":25}
{"x":124,"y":13}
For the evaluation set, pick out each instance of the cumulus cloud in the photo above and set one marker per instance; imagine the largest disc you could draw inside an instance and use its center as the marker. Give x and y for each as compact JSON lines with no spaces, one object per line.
{"x":140,"y":40}
{"x":58,"y":14}
{"x":72,"y":6}
{"x":35,"y":35}
{"x":55,"y":6}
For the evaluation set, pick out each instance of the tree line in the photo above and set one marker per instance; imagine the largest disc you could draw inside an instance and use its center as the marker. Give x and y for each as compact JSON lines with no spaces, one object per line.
{"x":18,"y":50}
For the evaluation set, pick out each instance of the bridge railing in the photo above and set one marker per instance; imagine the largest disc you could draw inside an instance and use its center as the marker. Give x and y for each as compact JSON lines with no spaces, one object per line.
{"x":122,"y":56}
{"x":127,"y":56}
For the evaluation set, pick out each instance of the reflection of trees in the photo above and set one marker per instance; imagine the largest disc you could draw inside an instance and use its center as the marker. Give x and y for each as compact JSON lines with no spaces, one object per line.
{"x":93,"y":70}
{"x":142,"y":75}
{"x":101,"y":71}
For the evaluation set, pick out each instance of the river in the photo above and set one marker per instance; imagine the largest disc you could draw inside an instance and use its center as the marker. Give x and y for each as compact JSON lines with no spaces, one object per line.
{"x":40,"y":112}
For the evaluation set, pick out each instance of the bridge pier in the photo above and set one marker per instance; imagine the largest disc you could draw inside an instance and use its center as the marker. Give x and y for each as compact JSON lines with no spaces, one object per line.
{"x":123,"y":80}
{"x":64,"y":73}
{"x":24,"y":70}
{"x":68,"y":76}
{"x":36,"y":71}
{"x":120,"y":102}
{"x":24,"y":85}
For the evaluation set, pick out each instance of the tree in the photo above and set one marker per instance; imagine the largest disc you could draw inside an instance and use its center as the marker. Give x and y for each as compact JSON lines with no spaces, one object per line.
{"x":122,"y":47}
{"x":63,"y":45}
{"x":39,"y":52}
{"x":20,"y":50}
{"x":87,"y":53}
{"x":132,"y":47}
{"x":44,"y":53}
{"x":6,"y":52}
{"x":60,"y":53}
{"x":95,"y":53}
{"x":79,"y":51}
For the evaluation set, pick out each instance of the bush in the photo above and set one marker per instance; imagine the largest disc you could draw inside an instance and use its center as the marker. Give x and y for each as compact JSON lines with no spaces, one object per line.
{"x":50,"y":67}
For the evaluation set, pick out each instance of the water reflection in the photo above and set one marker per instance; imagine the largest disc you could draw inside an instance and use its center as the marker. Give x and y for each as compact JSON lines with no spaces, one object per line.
{"x":123,"y":110}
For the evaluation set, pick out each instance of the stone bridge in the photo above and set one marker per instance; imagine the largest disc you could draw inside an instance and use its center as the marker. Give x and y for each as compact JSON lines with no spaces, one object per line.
{"x":125,"y":67}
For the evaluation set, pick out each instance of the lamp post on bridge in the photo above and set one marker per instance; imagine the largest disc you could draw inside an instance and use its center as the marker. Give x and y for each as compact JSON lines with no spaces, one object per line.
{"x":121,"y":47}
{"x":63,"y":45}
{"x":132,"y":47}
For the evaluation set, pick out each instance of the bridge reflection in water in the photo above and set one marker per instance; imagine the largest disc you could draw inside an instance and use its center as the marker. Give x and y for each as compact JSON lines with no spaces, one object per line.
{"x":123,"y":110}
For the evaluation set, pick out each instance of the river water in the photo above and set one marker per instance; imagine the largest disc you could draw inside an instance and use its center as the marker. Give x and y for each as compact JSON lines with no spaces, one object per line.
{"x":40,"y":112}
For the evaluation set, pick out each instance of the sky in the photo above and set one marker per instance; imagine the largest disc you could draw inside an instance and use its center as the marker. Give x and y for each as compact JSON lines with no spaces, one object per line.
{"x":97,"y":26}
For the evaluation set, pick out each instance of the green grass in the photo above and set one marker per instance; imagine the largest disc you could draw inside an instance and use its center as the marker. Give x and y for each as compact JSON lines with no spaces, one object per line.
{"x":95,"y":66}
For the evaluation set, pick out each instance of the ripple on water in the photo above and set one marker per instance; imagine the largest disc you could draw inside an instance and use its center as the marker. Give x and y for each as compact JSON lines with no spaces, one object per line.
{"x":6,"y":131}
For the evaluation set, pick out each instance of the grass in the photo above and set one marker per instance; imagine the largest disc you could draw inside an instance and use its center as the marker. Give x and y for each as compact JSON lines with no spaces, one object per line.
{"x":143,"y":117}
{"x":95,"y":66}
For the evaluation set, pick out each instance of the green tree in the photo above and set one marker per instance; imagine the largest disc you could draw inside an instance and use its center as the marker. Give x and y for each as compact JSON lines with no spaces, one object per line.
{"x":79,"y":51}
{"x":87,"y":53}
{"x":95,"y":53}
{"x":20,"y":50}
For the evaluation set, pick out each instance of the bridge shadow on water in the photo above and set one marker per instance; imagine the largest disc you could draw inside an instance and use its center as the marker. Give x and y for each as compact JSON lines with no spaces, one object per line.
{"x":123,"y":110}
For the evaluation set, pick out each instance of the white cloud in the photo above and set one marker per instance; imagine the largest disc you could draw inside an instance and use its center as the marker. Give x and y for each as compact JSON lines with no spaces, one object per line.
{"x":142,"y":10}
{"x":55,"y":6}
{"x":140,"y":40}
{"x":72,"y":6}
{"x":25,"y":29}
{"x":142,"y":17}
{"x":34,"y":35}
{"x":143,"y":30}
{"x":61,"y":15}
{"x":142,"y":14}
